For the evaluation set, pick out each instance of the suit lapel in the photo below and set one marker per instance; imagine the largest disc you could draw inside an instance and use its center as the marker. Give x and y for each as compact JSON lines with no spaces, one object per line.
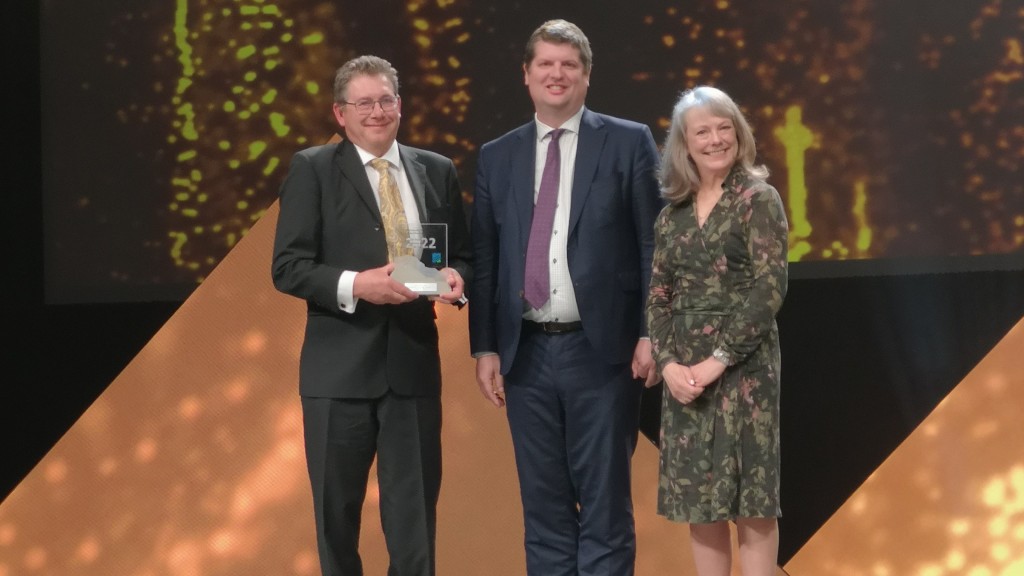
{"x":416,"y":173}
{"x":354,"y":172}
{"x":525,"y":157}
{"x":589,"y":144}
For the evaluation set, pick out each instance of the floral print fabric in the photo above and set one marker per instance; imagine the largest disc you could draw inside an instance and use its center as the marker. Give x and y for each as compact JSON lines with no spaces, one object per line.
{"x":721,"y":286}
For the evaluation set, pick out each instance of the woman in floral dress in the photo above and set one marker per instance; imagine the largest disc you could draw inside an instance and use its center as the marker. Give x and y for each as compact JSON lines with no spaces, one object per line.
{"x":719,"y":279}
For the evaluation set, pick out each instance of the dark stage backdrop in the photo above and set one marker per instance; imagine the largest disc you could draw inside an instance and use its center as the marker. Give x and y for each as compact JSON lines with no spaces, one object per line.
{"x":893,"y":130}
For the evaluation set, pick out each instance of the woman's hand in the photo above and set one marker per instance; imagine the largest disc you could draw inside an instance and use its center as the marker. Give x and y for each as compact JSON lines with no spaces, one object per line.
{"x":682,"y":382}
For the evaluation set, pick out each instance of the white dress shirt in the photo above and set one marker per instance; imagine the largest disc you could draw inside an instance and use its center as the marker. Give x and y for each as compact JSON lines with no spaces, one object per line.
{"x":561,"y":306}
{"x":346,"y":299}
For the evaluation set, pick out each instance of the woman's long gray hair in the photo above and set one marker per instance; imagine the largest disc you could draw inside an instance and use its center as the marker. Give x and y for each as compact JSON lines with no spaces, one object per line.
{"x":678,"y":176}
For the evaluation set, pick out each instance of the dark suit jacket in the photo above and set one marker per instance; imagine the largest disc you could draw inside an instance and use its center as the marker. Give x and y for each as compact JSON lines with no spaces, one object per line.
{"x":615,"y":200}
{"x":329,"y":222}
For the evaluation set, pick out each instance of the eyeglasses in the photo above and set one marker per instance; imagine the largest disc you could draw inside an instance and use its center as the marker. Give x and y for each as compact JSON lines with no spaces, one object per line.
{"x":365,"y":107}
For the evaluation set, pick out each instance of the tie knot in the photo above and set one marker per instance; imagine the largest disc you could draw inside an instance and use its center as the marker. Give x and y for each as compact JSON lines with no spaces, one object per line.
{"x":380,"y":165}
{"x":556,"y":133}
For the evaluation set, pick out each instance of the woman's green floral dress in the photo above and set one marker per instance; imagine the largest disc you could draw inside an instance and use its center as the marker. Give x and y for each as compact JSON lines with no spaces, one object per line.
{"x":721,"y":286}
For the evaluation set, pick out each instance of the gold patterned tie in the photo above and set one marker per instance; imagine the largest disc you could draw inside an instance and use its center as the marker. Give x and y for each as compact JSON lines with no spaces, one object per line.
{"x":396,"y":226}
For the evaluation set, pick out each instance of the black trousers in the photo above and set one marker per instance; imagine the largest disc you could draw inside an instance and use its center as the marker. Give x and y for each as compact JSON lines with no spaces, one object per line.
{"x":343,"y":436}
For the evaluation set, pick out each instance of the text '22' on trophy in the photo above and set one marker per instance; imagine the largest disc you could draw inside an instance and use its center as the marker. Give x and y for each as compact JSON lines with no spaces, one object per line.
{"x":421,"y":272}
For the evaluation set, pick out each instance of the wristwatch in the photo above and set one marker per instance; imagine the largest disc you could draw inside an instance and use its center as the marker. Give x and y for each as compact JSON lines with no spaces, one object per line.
{"x":722,"y":356}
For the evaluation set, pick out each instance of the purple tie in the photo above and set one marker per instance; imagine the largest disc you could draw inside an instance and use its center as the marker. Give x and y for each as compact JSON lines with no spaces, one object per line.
{"x":538,"y":283}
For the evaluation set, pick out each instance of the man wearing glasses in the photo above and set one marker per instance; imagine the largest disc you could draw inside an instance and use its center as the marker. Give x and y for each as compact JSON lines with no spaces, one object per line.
{"x":369,"y":370}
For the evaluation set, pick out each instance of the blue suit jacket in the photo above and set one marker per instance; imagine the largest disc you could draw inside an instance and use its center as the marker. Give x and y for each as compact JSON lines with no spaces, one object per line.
{"x":615,"y":200}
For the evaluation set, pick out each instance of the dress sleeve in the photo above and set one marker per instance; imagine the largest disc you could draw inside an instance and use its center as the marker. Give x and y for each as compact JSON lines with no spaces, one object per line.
{"x":659,"y":299}
{"x":767,"y":238}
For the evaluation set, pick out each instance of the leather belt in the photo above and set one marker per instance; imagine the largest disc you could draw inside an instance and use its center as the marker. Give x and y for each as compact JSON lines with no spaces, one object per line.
{"x":553,"y":327}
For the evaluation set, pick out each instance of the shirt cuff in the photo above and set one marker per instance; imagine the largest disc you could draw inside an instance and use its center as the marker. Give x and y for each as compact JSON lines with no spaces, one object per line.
{"x":346,"y":299}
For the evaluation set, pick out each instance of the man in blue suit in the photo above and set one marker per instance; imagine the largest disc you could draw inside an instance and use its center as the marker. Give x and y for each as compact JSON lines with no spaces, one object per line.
{"x":565,"y":349}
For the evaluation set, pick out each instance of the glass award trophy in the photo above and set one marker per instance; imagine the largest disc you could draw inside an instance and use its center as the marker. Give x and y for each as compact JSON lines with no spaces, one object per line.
{"x":421,"y":272}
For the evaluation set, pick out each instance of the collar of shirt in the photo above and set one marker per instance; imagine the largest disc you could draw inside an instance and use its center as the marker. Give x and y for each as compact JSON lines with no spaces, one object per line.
{"x":572,"y":125}
{"x":391,"y":156}
{"x":395,"y":161}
